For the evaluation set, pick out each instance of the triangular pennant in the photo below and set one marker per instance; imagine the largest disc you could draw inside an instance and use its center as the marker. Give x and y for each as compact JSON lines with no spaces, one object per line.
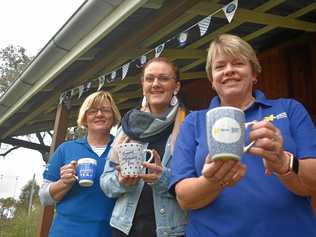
{"x":182,"y":38}
{"x":124,"y":70}
{"x":159,"y":49}
{"x":81,"y":89}
{"x":87,"y":86}
{"x":101,"y":80}
{"x":62,"y":98}
{"x":72,"y":93}
{"x":142,"y":61}
{"x":230,"y":10}
{"x":108,"y":78}
{"x":204,"y":24}
{"x":113,"y":75}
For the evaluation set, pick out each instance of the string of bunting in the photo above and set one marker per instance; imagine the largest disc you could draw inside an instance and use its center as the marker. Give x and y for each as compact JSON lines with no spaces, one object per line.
{"x":180,"y":39}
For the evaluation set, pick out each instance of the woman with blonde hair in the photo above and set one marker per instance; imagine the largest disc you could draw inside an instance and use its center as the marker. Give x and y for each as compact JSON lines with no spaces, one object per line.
{"x":267,"y":192}
{"x":82,"y":211}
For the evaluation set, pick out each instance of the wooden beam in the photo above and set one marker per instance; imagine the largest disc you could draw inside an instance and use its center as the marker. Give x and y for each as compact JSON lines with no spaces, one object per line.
{"x":26,"y":144}
{"x":60,"y":130}
{"x":245,"y":15}
{"x":201,"y":7}
{"x":47,"y":103}
{"x":192,"y":65}
{"x":153,"y":4}
{"x":268,"y":28}
{"x":173,"y":54}
{"x":167,"y":14}
{"x":193,"y":75}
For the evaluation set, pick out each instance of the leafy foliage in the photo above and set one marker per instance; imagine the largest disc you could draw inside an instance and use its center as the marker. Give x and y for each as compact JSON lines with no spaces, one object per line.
{"x":13,"y":60}
{"x":21,"y":222}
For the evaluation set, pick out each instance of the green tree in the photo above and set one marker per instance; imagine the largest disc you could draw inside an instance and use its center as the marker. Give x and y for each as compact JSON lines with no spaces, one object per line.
{"x":7,"y":205}
{"x":24,"y":221}
{"x":13,"y":60}
{"x":28,"y":193}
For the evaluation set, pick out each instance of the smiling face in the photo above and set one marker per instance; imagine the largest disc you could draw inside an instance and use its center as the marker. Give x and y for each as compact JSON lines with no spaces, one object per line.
{"x":159,"y":84}
{"x":232,"y":77}
{"x":100,"y":117}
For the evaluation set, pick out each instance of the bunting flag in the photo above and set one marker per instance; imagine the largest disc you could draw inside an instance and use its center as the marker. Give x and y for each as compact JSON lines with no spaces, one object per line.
{"x":113,"y":75}
{"x":101,"y":80}
{"x":61,"y":97}
{"x":182,"y":38}
{"x":72,"y":93}
{"x":159,"y":49}
{"x":142,"y":61}
{"x":81,"y":89}
{"x":88,"y":86}
{"x":124,"y":70}
{"x":65,"y":98}
{"x":230,"y":10}
{"x":108,"y":79}
{"x":204,"y":24}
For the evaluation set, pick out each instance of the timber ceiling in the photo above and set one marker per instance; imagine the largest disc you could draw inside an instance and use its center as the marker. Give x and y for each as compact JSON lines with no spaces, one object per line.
{"x":263,"y":23}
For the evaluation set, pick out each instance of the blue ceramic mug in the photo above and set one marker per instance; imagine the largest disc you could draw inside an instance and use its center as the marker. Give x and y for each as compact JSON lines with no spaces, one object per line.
{"x":86,"y":168}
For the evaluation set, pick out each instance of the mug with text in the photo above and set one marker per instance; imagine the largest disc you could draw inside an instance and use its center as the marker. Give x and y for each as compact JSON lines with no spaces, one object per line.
{"x":86,"y":168}
{"x":225,"y":131}
{"x":131,"y":158}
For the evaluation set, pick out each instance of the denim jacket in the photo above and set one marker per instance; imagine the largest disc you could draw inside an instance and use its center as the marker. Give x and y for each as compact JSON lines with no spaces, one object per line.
{"x":170,"y":218}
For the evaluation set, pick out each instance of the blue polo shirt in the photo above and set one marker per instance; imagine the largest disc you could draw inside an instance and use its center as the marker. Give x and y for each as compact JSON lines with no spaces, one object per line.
{"x":81,"y":204}
{"x":258,"y":205}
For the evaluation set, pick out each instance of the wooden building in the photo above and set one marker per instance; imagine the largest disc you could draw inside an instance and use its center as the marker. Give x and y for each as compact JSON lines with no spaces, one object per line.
{"x":104,"y":35}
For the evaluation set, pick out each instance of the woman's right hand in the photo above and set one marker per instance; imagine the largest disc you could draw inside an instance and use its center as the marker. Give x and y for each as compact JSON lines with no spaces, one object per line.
{"x":126,"y":180}
{"x":68,"y":173}
{"x":223,"y":172}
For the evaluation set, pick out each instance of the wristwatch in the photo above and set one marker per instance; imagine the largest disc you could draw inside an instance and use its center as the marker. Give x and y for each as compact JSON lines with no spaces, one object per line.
{"x":294,"y":164}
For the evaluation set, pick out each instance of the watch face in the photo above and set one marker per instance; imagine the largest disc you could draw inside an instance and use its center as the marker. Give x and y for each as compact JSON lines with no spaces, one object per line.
{"x":295,"y":165}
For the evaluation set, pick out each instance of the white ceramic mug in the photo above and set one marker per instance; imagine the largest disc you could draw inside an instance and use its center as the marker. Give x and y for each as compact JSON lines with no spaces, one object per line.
{"x":131,"y":158}
{"x":225,"y":129}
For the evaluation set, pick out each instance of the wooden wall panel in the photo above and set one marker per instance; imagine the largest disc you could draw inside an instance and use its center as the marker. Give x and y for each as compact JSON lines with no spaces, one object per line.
{"x":273,"y":79}
{"x":196,"y":94}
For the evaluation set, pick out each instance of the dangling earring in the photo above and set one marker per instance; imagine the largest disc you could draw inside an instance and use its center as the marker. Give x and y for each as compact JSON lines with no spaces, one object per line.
{"x":174,"y":99}
{"x":144,"y":102}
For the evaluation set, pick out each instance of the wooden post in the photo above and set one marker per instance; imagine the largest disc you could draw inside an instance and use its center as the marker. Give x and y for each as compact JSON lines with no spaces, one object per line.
{"x":60,"y":130}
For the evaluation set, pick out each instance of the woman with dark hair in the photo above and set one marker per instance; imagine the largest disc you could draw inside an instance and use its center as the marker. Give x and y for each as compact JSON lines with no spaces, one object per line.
{"x":144,"y":207}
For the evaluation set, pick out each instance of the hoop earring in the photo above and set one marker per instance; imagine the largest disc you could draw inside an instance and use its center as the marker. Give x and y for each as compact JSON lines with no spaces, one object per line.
{"x":174,"y":100}
{"x":144,"y":102}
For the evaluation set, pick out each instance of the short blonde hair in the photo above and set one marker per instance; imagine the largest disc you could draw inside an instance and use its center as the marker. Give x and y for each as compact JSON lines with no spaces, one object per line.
{"x":234,"y":46}
{"x":93,"y":100}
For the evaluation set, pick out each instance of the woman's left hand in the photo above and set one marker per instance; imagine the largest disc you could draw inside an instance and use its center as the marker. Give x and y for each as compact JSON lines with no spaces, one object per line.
{"x":269,"y":146}
{"x":154,"y":169}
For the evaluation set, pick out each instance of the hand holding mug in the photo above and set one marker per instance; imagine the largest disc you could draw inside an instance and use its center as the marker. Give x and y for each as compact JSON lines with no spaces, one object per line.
{"x":154,"y":169}
{"x":223,"y":172}
{"x":68,"y":173}
{"x":127,"y":180}
{"x":269,"y":146}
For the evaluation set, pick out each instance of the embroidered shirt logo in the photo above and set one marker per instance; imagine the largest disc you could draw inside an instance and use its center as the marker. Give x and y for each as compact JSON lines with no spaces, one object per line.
{"x":271,"y":118}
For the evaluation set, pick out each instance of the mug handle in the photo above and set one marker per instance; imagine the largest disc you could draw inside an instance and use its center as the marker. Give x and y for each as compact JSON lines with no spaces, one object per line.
{"x":151,"y":155}
{"x":246,"y":148}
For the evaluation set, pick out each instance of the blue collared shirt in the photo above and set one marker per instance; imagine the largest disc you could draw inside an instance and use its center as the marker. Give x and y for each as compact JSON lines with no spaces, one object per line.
{"x":81,"y":203}
{"x":258,"y":205}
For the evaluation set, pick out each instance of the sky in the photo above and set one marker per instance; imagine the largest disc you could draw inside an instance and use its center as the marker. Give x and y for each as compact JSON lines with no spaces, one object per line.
{"x":30,"y":24}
